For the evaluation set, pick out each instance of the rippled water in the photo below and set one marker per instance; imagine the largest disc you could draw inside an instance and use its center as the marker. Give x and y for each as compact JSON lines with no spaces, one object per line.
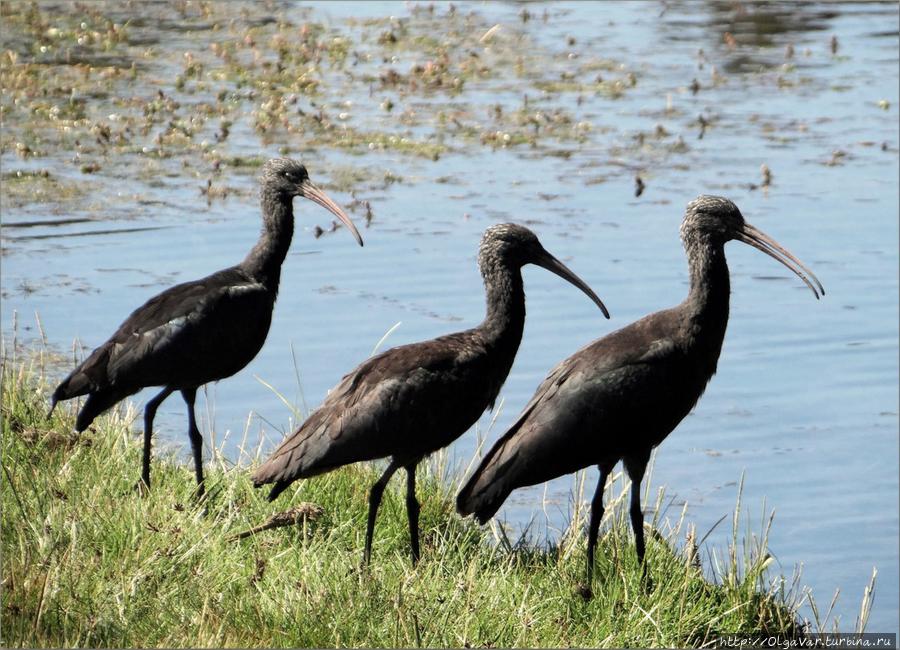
{"x":805,"y":403}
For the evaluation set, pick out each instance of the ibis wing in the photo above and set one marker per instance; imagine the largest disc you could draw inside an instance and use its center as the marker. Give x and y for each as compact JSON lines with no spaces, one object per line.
{"x":553,"y":435}
{"x":591,"y":367}
{"x":188,"y":334}
{"x":397,"y":402}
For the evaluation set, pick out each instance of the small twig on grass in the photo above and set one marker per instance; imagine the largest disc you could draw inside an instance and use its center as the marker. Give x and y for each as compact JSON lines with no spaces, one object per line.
{"x":290,"y":517}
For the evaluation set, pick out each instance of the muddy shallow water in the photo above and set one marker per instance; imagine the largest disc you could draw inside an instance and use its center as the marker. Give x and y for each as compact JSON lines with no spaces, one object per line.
{"x":129,"y":157}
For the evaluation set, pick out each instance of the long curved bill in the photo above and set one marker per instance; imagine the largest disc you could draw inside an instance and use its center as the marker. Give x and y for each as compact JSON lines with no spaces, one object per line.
{"x":547,"y":261}
{"x":761,"y":241}
{"x":310,"y":191}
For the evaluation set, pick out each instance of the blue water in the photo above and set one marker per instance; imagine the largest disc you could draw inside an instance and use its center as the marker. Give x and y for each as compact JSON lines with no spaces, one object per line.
{"x":805,"y":402}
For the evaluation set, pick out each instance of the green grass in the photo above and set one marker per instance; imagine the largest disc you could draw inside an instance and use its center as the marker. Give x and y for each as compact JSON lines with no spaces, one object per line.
{"x":88,"y":561}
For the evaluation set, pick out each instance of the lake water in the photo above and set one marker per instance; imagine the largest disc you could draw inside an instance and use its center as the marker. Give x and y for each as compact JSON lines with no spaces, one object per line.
{"x":560,"y":108}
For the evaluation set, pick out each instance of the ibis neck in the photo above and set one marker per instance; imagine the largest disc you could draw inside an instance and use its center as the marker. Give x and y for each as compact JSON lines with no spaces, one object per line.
{"x":707,"y":302}
{"x":502,"y":326}
{"x":263,"y":262}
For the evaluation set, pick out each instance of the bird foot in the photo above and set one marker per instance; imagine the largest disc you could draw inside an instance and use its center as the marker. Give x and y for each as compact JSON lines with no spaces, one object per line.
{"x":584,"y":591}
{"x":142,"y":488}
{"x":646,"y":581}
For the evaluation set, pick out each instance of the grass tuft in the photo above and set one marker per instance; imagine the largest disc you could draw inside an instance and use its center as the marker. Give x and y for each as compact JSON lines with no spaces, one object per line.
{"x":88,"y":561}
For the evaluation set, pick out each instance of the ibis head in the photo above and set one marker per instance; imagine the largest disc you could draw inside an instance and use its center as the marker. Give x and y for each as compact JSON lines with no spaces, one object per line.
{"x":714,"y":220}
{"x":284,"y":178}
{"x":513,"y":246}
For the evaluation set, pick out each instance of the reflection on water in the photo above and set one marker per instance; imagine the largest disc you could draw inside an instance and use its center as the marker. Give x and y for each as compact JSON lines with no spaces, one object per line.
{"x":554,"y":118}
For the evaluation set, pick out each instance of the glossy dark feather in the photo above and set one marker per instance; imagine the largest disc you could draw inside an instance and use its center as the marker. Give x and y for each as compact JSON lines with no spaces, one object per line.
{"x":609,"y":388}
{"x":199,"y":331}
{"x":415,"y":399}
{"x":176,"y":339}
{"x":402,"y":403}
{"x":620,"y":396}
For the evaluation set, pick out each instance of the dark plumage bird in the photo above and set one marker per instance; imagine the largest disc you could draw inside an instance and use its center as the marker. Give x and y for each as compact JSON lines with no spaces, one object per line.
{"x":200,"y":331}
{"x":620,"y":396}
{"x":415,"y":399}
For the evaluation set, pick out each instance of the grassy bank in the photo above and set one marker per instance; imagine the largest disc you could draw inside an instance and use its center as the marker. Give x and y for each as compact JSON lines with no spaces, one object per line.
{"x":87,"y":561}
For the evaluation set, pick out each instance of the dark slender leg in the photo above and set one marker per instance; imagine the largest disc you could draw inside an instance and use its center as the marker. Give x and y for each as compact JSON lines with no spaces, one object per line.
{"x":149,"y":414}
{"x":412,"y":509}
{"x":190,"y":396}
{"x":374,"y":502}
{"x":635,"y":469}
{"x":594,"y":526}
